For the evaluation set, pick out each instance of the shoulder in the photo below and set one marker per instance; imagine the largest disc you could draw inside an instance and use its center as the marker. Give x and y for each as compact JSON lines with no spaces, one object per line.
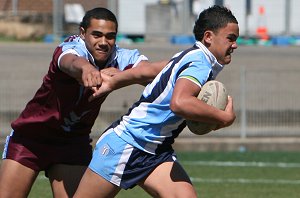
{"x":191,"y":55}
{"x":75,"y":44}
{"x":126,"y":52}
{"x":127,"y":57}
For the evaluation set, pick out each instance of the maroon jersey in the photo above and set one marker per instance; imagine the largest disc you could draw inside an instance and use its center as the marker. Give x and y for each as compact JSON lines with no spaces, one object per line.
{"x":60,"y":107}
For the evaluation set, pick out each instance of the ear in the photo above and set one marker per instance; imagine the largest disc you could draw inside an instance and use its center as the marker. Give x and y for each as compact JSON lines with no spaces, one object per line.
{"x":82,"y":32}
{"x":207,"y":38}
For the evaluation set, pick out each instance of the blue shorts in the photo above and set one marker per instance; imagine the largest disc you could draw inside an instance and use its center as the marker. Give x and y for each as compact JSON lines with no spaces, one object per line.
{"x":122,"y":164}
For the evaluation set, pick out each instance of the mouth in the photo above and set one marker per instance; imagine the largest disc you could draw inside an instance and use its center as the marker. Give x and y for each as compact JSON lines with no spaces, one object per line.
{"x":101,"y":51}
{"x":229,"y":52}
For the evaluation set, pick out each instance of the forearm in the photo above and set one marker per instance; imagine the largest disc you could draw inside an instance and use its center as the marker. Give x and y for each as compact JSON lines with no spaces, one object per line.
{"x":76,"y":66}
{"x":151,"y":70}
{"x":72,"y":65}
{"x":142,"y":74}
{"x":126,"y":78}
{"x":195,"y":109}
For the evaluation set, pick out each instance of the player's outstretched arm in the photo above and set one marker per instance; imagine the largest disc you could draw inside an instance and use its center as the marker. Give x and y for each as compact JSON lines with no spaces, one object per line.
{"x":142,"y":74}
{"x":80,"y":69}
{"x":146,"y":71}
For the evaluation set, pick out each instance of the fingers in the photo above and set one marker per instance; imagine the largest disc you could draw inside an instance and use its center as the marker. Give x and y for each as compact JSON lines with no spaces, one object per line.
{"x":111,"y":71}
{"x":92,"y":79}
{"x":94,"y":95}
{"x":229,"y":105}
{"x":102,"y":90}
{"x":230,"y":110}
{"x":99,"y":92}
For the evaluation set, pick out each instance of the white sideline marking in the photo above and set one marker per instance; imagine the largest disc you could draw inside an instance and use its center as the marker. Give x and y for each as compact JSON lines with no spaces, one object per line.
{"x":237,"y":164}
{"x":238,"y":180}
{"x":246,"y":181}
{"x":242,"y":164}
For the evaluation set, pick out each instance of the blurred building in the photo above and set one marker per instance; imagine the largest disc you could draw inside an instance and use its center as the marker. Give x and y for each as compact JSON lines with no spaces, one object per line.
{"x":32,"y":19}
{"x":44,"y":6}
{"x":156,"y":18}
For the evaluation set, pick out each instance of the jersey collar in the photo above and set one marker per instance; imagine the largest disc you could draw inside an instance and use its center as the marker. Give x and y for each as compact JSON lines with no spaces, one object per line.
{"x":216,"y":66}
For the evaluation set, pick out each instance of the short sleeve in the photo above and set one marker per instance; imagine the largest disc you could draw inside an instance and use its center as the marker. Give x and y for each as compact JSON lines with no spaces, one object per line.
{"x":197,"y":72}
{"x":73,"y":47}
{"x":129,"y":58}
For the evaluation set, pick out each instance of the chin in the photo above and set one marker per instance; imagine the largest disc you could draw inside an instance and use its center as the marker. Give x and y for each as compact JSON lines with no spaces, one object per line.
{"x":227,"y":60}
{"x":101,"y":58}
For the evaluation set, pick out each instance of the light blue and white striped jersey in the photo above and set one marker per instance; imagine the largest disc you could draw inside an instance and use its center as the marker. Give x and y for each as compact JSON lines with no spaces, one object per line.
{"x":150,"y":125}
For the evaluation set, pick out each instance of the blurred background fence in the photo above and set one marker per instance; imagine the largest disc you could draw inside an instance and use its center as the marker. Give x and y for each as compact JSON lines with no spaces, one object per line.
{"x":264,"y":82}
{"x":277,"y":111}
{"x":264,"y":108}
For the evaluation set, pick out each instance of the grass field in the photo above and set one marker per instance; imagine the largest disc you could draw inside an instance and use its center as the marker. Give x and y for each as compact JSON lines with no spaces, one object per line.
{"x":227,"y":175}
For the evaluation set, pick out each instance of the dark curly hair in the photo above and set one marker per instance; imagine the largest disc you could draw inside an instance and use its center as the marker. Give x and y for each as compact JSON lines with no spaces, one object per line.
{"x":98,"y":13}
{"x":213,"y":18}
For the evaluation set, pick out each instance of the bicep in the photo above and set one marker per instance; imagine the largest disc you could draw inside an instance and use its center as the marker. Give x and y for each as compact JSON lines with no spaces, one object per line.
{"x":184,"y":89}
{"x":66,"y":61}
{"x":184,"y":95}
{"x":73,"y":65}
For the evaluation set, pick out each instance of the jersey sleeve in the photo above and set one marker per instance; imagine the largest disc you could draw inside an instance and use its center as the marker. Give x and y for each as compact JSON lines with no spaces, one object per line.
{"x":73,"y":47}
{"x":129,"y":58}
{"x":197,"y":72}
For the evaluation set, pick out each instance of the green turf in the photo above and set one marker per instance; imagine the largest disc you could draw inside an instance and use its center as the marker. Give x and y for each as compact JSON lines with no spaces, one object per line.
{"x":240,"y":175}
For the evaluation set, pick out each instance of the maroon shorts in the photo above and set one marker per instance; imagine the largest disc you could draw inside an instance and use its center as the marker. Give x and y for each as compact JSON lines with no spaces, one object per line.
{"x":41,"y":155}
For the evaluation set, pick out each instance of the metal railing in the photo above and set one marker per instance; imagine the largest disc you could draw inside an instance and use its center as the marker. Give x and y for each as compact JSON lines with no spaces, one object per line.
{"x":268,"y":105}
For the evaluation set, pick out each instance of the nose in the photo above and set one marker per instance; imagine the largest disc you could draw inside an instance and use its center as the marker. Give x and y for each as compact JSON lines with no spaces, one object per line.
{"x":102,"y":41}
{"x":234,"y":45}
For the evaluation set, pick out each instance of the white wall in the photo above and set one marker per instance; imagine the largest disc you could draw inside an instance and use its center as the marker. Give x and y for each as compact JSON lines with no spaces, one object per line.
{"x":274,"y":18}
{"x":131,"y":15}
{"x":295,"y":15}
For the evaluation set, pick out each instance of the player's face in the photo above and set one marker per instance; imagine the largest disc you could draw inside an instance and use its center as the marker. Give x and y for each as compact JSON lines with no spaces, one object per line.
{"x":223,"y":43}
{"x":100,"y":38}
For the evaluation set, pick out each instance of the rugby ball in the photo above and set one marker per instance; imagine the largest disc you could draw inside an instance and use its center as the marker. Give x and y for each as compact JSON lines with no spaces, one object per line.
{"x":212,"y":93}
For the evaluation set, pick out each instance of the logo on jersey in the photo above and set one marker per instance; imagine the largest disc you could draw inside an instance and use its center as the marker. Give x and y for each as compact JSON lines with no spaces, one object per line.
{"x":105,"y":149}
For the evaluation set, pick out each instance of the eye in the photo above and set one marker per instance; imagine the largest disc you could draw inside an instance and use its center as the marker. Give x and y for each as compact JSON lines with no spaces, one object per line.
{"x":97,"y":34}
{"x":110,"y":36}
{"x":232,"y":38}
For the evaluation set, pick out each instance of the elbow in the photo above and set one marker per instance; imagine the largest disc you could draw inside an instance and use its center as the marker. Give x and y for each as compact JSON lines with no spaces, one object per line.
{"x":176,"y":107}
{"x":151,"y":71}
{"x":150,"y":74}
{"x":147,"y":77}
